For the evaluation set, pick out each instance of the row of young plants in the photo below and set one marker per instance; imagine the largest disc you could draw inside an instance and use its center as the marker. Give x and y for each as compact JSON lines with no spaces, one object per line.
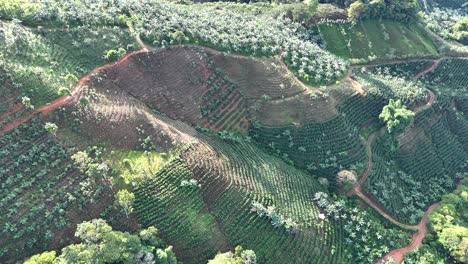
{"x":171,"y":201}
{"x":392,"y":87}
{"x":245,"y":175}
{"x":367,"y":239}
{"x":40,"y":186}
{"x":409,"y":176}
{"x":166,"y":23}
{"x":405,"y":69}
{"x":222,"y":107}
{"x":322,"y":148}
{"x":277,"y":219}
{"x":449,"y":78}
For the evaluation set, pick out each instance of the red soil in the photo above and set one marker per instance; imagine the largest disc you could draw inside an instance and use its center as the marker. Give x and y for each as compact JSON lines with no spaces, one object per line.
{"x":396,"y":254}
{"x":356,"y":85}
{"x":399,"y":254}
{"x":75,"y":91}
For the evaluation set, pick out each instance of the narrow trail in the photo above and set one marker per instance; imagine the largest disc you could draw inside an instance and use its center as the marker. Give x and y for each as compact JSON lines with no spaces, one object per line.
{"x":429,"y":69}
{"x":74,"y":93}
{"x":399,"y":253}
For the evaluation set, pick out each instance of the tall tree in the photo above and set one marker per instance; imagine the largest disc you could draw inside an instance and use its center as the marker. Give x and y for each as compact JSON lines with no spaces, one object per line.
{"x":396,"y":116}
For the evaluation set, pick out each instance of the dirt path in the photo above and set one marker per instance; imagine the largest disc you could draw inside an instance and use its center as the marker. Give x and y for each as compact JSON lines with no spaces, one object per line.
{"x":75,"y":92}
{"x":432,"y":67}
{"x":356,"y":85}
{"x":399,"y":254}
{"x":396,"y":254}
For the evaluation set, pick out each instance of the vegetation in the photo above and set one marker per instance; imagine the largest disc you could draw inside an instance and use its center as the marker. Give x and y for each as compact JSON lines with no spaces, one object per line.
{"x":366,"y":240}
{"x":101,"y":244}
{"x":449,"y":223}
{"x":396,"y":116}
{"x":41,"y":61}
{"x":240,"y":256}
{"x":376,"y":40}
{"x":449,"y":78}
{"x":235,"y":124}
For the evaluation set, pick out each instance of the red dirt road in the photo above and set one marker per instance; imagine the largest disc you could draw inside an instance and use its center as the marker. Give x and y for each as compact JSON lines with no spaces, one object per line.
{"x":397,"y":254}
{"x":75,"y":91}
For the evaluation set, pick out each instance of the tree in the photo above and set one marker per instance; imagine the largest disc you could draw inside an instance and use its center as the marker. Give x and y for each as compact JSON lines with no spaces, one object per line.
{"x":240,"y":256}
{"x":356,"y":10}
{"x":101,"y":244}
{"x":113,"y":55}
{"x":448,"y":221}
{"x":43,"y":258}
{"x":125,"y":199}
{"x":51,"y":128}
{"x":460,"y":31}
{"x":166,"y":256}
{"x":62,"y":91}
{"x":396,"y":116}
{"x":27,"y":102}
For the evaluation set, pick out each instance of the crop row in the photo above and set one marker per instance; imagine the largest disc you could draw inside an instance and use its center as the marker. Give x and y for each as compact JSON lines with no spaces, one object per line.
{"x":38,"y":187}
{"x":249,"y":173}
{"x":406,"y":69}
{"x":413,"y":176}
{"x":323,"y":148}
{"x":216,"y":215}
{"x":449,"y":78}
{"x":180,"y":213}
{"x":223,"y":107}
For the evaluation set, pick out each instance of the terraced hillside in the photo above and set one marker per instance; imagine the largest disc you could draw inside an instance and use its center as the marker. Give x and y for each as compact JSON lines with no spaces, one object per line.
{"x":205,"y":127}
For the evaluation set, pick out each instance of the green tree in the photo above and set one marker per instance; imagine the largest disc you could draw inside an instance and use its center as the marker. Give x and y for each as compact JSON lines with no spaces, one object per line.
{"x":356,"y":10}
{"x":62,"y":91}
{"x":43,"y":258}
{"x":449,"y":221}
{"x":114,"y":55}
{"x":27,"y":102}
{"x":396,"y":116}
{"x":51,"y":128}
{"x":100,"y":244}
{"x":240,"y":256}
{"x":125,"y":199}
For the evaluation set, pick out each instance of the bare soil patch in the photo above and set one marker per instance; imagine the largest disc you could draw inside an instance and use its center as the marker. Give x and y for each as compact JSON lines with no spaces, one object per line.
{"x":302,"y":108}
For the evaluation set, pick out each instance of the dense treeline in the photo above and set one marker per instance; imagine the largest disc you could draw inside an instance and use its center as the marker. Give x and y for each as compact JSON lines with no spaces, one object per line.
{"x":400,"y":10}
{"x":101,"y":244}
{"x":447,"y":241}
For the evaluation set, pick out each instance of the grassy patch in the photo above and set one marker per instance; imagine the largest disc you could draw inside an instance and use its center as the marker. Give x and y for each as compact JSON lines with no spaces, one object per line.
{"x":374,"y":40}
{"x":136,"y":165}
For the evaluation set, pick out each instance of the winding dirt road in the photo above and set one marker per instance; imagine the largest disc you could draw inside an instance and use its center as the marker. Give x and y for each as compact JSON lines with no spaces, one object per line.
{"x":397,"y":254}
{"x":74,"y":93}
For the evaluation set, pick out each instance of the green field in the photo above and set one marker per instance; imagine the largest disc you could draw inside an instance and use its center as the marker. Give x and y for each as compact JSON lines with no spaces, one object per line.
{"x":371,"y":40}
